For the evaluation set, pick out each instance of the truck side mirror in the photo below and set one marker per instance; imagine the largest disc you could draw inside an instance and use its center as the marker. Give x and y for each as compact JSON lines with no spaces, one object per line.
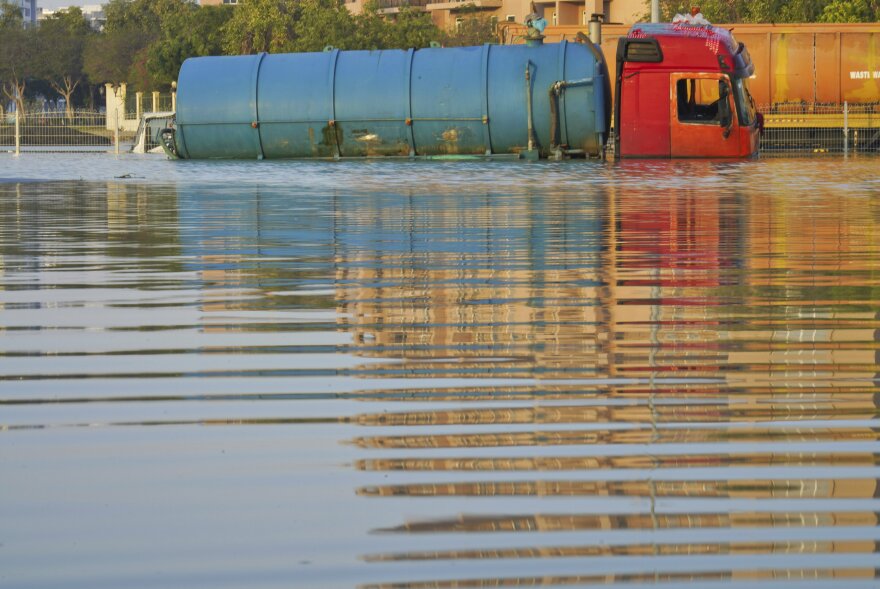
{"x":724,"y":108}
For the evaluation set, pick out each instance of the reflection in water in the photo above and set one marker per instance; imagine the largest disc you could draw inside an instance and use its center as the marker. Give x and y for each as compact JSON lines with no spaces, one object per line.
{"x":554,"y":375}
{"x":749,"y":489}
{"x":626,"y":286}
{"x":853,"y":546}
{"x":617,"y":285}
{"x":765,"y":576}
{"x":752,"y":460}
{"x":640,"y":521}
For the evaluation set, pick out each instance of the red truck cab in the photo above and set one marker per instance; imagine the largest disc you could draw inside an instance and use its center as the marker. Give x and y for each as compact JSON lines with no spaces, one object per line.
{"x":682,"y":91}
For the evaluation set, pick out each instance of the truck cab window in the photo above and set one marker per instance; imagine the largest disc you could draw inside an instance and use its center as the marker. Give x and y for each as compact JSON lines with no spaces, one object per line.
{"x":698,"y":100}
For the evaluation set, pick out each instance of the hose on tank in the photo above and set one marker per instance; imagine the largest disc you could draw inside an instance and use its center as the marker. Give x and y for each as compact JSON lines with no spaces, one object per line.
{"x":556,"y":89}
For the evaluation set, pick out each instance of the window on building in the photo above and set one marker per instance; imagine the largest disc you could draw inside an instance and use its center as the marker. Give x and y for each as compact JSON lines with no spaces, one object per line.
{"x":510,"y":18}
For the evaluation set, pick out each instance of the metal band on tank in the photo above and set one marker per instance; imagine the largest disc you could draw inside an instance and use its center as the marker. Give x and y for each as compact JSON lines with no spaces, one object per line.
{"x":332,"y":85}
{"x":409,"y":118}
{"x":484,"y":98}
{"x":563,"y":127}
{"x":180,"y":142}
{"x":255,"y":82}
{"x":179,"y":139}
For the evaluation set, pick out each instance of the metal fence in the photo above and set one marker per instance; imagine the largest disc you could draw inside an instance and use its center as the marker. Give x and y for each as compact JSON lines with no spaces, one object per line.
{"x":802,"y":128}
{"x":788,"y":129}
{"x":820,"y":128}
{"x":137,"y":103}
{"x":55,"y":131}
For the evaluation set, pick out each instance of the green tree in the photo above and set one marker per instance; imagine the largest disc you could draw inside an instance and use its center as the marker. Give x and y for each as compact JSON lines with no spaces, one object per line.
{"x":144,"y":15}
{"x":800,"y":11}
{"x":371,"y":28}
{"x":196,"y":32}
{"x":261,"y":25}
{"x":10,"y":15}
{"x":109,"y":57}
{"x":770,"y":11}
{"x":720,"y":11}
{"x":123,"y":51}
{"x":323,"y":22}
{"x":61,"y":43}
{"x":474,"y":28}
{"x":407,"y":28}
{"x":17,"y":54}
{"x":851,"y":11}
{"x":412,"y":28}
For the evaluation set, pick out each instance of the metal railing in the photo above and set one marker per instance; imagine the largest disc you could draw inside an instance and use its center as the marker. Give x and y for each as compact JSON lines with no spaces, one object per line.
{"x":820,"y":128}
{"x":56,"y":132}
{"x":134,"y":103}
{"x":403,"y":3}
{"x":138,"y":103}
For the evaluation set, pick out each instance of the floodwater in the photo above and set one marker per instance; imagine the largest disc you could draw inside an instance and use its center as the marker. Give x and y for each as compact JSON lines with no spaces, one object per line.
{"x":413,"y":375}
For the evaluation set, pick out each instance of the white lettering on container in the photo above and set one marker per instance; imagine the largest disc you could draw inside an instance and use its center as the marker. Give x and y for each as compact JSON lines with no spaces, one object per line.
{"x":865,"y":75}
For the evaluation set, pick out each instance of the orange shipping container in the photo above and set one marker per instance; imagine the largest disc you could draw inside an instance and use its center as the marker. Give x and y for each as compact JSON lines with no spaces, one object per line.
{"x":812,"y":63}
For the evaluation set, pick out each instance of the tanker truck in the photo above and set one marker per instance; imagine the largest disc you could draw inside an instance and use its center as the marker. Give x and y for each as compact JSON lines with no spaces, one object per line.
{"x":681,"y":91}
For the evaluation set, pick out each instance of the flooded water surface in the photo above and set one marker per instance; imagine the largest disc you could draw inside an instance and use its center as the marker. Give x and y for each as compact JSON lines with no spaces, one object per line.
{"x":419,"y":375}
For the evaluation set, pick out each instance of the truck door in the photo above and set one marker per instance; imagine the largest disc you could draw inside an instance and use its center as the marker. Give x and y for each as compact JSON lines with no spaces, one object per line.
{"x":702,"y":116}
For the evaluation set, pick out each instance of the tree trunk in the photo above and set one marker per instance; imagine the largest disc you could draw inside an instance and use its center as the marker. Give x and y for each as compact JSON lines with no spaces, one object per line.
{"x":14,"y":90}
{"x":90,"y":97}
{"x":66,"y":88}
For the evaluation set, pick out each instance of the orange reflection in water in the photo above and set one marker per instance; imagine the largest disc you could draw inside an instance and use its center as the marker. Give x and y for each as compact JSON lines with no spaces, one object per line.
{"x":776,"y":304}
{"x":626,"y":284}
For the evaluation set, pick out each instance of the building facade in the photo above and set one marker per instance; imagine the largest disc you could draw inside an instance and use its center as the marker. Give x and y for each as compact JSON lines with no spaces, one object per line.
{"x":93,"y":13}
{"x":28,"y":11}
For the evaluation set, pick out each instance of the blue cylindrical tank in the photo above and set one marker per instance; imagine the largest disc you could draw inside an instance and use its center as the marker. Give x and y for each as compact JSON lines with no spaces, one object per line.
{"x":437,"y":101}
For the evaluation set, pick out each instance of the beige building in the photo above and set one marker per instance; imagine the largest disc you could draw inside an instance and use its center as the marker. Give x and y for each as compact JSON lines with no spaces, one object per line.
{"x":557,"y":12}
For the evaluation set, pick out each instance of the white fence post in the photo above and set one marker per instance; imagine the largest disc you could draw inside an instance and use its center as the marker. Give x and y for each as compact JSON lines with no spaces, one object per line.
{"x":17,"y":131}
{"x":845,"y":126}
{"x":116,"y":134}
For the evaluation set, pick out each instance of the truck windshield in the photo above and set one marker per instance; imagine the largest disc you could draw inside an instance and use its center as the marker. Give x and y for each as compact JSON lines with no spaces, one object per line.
{"x":745,"y":105}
